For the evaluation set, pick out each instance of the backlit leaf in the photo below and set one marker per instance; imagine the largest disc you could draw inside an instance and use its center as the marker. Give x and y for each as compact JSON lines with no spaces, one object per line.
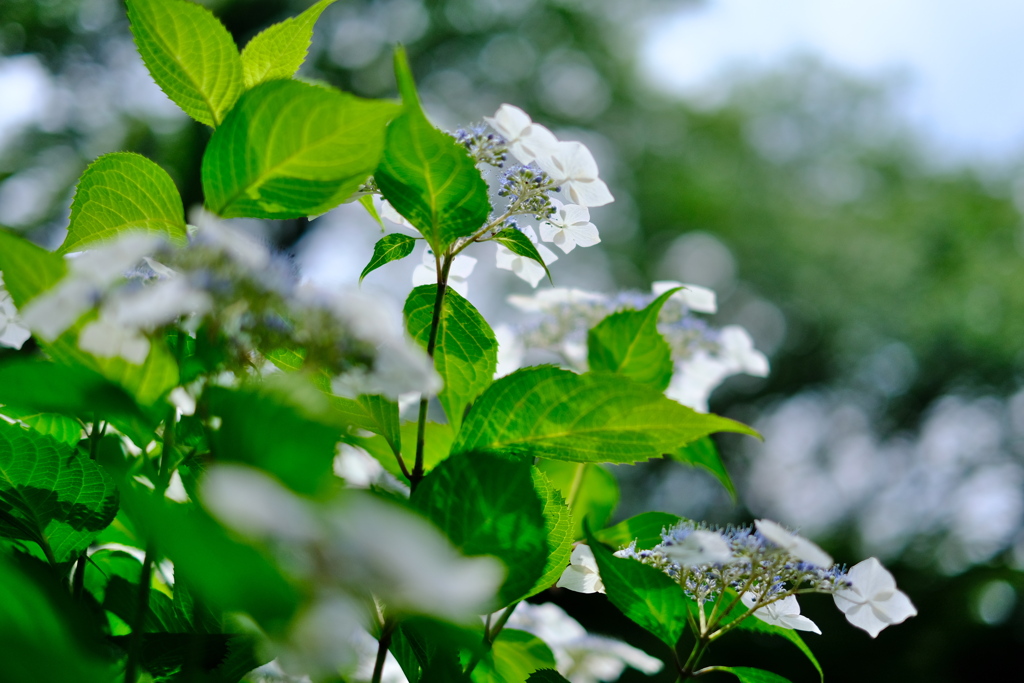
{"x":628,"y":343}
{"x":279,"y":50}
{"x":388,"y":248}
{"x":518,"y":243}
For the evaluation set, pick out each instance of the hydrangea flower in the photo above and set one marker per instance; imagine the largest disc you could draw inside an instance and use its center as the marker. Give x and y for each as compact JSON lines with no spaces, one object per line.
{"x":798,"y":546}
{"x":571,"y":166}
{"x":872,"y":601}
{"x":694,"y":297}
{"x":12,"y":333}
{"x":700,"y":547}
{"x":569,"y":227}
{"x":581,"y":575}
{"x":784,"y":613}
{"x":527,"y":140}
{"x":526,"y":268}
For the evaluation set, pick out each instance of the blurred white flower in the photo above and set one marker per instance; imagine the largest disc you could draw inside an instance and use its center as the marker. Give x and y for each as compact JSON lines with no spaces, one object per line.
{"x":388,"y":212}
{"x":695,"y":297}
{"x":156,"y":304}
{"x":547,"y":300}
{"x":510,"y":350}
{"x":700,"y":547}
{"x":873,"y":602}
{"x":580,"y":656}
{"x":798,"y":546}
{"x":526,"y":140}
{"x":784,"y":613}
{"x":581,"y":575}
{"x":526,"y":268}
{"x":571,"y":166}
{"x":238,"y":244}
{"x":108,"y":338}
{"x":103,"y":264}
{"x":738,"y":351}
{"x":12,"y":333}
{"x":255,"y":504}
{"x":695,"y":379}
{"x":182,"y":400}
{"x":458,"y":273}
{"x":569,"y":227}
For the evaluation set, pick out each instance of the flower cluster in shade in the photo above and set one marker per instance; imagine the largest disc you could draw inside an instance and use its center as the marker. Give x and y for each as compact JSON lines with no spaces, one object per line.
{"x":231,"y":291}
{"x":546,"y":167}
{"x":703,"y":356}
{"x":764,"y":567}
{"x":13,"y":333}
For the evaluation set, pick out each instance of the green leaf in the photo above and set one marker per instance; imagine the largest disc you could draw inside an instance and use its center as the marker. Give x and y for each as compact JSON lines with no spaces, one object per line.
{"x":548,"y":412}
{"x":750,"y":675}
{"x":518,"y":243}
{"x":39,"y":638}
{"x":267,"y":429}
{"x":644,"y":528}
{"x":513,"y":657}
{"x":50,"y":494}
{"x":487,"y":505}
{"x":389,"y":248}
{"x":704,"y":453}
{"x":628,"y":343}
{"x":383,"y":412}
{"x":290,"y":149}
{"x":123,"y":192}
{"x":190,"y":55}
{"x":437,"y":446}
{"x":279,"y":50}
{"x":558,"y":525}
{"x":367,"y":203}
{"x":428,"y":650}
{"x":546,"y":676}
{"x":62,"y":428}
{"x":466,"y":352}
{"x":597,"y":492}
{"x":39,"y":386}
{"x":28,"y":270}
{"x":644,"y":594}
{"x":427,"y":176}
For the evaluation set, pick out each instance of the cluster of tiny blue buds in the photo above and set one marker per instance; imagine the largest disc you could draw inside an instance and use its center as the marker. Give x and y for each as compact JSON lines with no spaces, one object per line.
{"x":527,"y":188}
{"x":484,"y":147}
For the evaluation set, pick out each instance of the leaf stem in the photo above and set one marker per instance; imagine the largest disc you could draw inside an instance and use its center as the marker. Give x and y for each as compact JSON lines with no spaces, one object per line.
{"x":139,"y":622}
{"x":382,"y":648}
{"x":490,"y":635}
{"x":577,"y":483}
{"x":443,"y":266}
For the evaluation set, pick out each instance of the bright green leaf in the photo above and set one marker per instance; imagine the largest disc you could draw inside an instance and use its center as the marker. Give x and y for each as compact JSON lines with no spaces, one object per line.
{"x":291,"y":149}
{"x":596,"y":491}
{"x":384,"y":414}
{"x":558,"y":524}
{"x":51,"y":494}
{"x":466,"y":352}
{"x":389,"y":248}
{"x":704,"y":453}
{"x":367,"y":203}
{"x":488,"y":505}
{"x":28,"y":270}
{"x":190,"y":55}
{"x":750,"y":675}
{"x":628,"y":343}
{"x":437,"y":445}
{"x":62,"y":428}
{"x":518,"y":243}
{"x":644,"y":594}
{"x":427,"y":176}
{"x":513,"y":657}
{"x":644,"y":528}
{"x":124,"y":192}
{"x":279,"y":50}
{"x":548,"y":412}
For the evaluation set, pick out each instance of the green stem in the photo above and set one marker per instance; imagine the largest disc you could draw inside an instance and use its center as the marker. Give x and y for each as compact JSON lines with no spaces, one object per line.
{"x":490,"y":635}
{"x":139,"y":622}
{"x":443,"y":266}
{"x":78,"y":578}
{"x":382,"y":648}
{"x":577,"y":482}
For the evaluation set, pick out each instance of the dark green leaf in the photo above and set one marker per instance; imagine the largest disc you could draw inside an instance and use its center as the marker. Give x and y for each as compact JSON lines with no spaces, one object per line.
{"x":466,"y":352}
{"x":189,"y":54}
{"x":268,"y":430}
{"x":513,"y":657}
{"x":389,"y":248}
{"x":428,"y":650}
{"x":279,"y":50}
{"x":644,"y":594}
{"x":548,"y":412}
{"x":290,"y":149}
{"x":644,"y":528}
{"x":749,"y":675}
{"x":597,"y":491}
{"x":427,"y":176}
{"x":51,"y":494}
{"x":487,"y":505}
{"x":558,"y":524}
{"x":124,"y":192}
{"x":703,"y":453}
{"x":518,"y":243}
{"x":546,"y":676}
{"x":628,"y":343}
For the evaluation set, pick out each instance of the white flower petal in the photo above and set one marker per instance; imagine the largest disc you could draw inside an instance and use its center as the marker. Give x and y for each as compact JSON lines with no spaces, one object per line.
{"x":873,"y":601}
{"x":798,"y":546}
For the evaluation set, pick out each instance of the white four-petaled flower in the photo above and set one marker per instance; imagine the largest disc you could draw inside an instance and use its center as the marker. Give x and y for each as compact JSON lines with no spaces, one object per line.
{"x":581,"y":575}
{"x":569,"y":227}
{"x":797,"y":546}
{"x":873,"y":602}
{"x":700,"y":547}
{"x":571,"y":166}
{"x":526,"y":140}
{"x":784,"y":613}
